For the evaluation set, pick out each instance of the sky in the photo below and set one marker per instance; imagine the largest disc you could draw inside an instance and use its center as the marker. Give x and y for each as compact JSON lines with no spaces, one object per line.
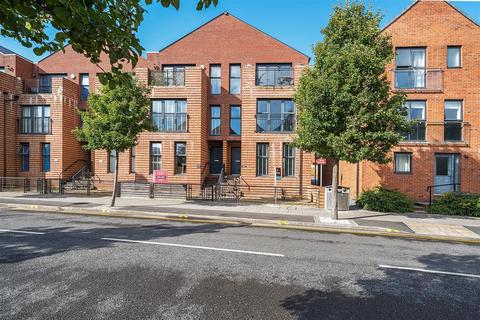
{"x":295,"y":22}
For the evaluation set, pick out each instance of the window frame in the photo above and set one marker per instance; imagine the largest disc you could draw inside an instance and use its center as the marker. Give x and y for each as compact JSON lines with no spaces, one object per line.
{"x":216,"y":78}
{"x":269,"y":119}
{"x":155,"y":159}
{"x":24,"y":153}
{"x":410,"y":163}
{"x":263,"y":159}
{"x":454,"y":122}
{"x":235,"y":78}
{"x":410,"y":69}
{"x":459,"y":57}
{"x":219,"y":118}
{"x":408,"y":105}
{"x":161,"y":119}
{"x":276,"y":70}
{"x":180,"y":156}
{"x":239,"y":118}
{"x":46,"y":158}
{"x":31,"y":120}
{"x":84,"y":88}
{"x":288,"y":160}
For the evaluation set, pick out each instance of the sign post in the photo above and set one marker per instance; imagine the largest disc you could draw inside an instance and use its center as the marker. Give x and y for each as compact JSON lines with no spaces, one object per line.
{"x":321,"y":162}
{"x":278,"y":176}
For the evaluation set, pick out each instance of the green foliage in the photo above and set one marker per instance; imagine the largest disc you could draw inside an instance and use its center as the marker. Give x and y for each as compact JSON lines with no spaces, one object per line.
{"x":457,"y":203}
{"x":115,"y":117}
{"x":345,"y":108}
{"x":385,"y":200}
{"x":90,"y":26}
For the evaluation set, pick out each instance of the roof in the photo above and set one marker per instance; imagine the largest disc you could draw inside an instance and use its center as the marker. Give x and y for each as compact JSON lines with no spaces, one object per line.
{"x":226,"y":13}
{"x":417,"y":1}
{"x":6,"y":51}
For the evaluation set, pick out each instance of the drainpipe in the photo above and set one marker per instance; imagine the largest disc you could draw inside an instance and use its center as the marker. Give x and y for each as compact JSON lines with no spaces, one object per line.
{"x":357,"y":182}
{"x":300,"y":176}
{"x":5,"y":134}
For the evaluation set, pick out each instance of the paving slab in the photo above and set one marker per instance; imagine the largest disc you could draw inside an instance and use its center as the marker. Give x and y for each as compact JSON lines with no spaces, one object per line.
{"x":394,"y":225}
{"x":442,"y":230}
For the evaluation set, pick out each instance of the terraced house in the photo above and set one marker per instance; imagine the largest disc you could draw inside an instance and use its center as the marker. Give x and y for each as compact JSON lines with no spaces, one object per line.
{"x":221,"y":103}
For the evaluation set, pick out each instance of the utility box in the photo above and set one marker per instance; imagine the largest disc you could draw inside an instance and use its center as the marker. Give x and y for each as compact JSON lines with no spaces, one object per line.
{"x":343,"y":198}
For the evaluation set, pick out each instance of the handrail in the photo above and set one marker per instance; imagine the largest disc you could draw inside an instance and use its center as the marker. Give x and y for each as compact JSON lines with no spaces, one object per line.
{"x":221,"y":177}
{"x":430,"y":188}
{"x":242,"y":178}
{"x":60,"y":175}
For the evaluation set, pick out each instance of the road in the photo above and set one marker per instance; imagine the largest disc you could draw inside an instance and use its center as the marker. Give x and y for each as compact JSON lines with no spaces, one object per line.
{"x":55,"y":266}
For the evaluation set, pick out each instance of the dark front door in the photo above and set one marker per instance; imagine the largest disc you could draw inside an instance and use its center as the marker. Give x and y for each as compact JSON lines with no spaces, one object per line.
{"x":216,"y":160}
{"x":236,"y":162}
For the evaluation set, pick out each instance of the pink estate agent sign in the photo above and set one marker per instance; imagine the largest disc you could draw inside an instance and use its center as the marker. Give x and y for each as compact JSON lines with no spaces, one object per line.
{"x":160,"y":176}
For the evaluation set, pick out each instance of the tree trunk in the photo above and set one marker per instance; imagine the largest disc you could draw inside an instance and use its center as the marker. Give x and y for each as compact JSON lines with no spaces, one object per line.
{"x":115,"y":182}
{"x":335,"y":190}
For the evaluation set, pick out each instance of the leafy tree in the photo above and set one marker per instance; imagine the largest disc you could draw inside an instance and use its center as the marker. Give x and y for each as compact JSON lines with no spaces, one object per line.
{"x":114,"y":119}
{"x":90,"y":26}
{"x":346,"y":109}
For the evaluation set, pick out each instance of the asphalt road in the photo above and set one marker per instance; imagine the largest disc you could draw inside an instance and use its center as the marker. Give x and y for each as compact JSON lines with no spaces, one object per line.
{"x":74,"y":267}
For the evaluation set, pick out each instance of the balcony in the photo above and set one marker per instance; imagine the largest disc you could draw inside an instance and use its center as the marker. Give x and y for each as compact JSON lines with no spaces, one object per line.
{"x":34,"y":86}
{"x":167,"y":78}
{"x":439,"y":133}
{"x":418,"y":80}
{"x":273,"y":125}
{"x":173,"y":122}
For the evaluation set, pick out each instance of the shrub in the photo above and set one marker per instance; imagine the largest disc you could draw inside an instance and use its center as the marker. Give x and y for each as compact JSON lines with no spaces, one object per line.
{"x":457,"y":203}
{"x":385,"y":200}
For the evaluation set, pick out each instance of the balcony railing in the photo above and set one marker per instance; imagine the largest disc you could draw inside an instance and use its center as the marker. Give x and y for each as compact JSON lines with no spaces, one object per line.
{"x":173,"y":122}
{"x":275,"y":125}
{"x":444,"y":132}
{"x":417,"y":133}
{"x":34,"y":125}
{"x":453,"y":131}
{"x":34,"y":86}
{"x":418,"y":79}
{"x":167,"y":78}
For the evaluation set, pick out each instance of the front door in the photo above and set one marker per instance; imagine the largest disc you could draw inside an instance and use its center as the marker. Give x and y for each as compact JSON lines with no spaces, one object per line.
{"x":447,"y":172}
{"x":236,"y":161}
{"x":216,"y":160}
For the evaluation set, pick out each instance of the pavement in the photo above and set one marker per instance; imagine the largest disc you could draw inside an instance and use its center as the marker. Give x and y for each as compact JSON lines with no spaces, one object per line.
{"x":72,"y":267}
{"x":418,"y":225}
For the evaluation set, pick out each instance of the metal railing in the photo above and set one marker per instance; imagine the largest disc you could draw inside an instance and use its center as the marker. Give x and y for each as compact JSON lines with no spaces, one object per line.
{"x":170,"y":122}
{"x":274,"y":76}
{"x":34,"y":125}
{"x":275,"y":125}
{"x":430,"y":188}
{"x":418,"y":79}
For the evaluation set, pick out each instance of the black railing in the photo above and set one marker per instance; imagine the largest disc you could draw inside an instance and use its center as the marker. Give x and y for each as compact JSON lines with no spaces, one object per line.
{"x":170,"y":122}
{"x":275,"y":125}
{"x":274,"y":75}
{"x":430,"y":188}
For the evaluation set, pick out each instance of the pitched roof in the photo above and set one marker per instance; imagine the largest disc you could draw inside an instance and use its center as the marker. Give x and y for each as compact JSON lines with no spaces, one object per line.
{"x":6,"y":51}
{"x":226,"y":13}
{"x":417,"y":1}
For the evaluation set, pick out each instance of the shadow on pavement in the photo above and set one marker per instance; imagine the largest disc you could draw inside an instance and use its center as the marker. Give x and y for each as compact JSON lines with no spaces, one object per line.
{"x":16,"y":247}
{"x":400,"y":294}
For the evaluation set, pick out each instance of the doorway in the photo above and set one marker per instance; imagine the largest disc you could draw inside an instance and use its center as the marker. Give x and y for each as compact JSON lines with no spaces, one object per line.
{"x":447,"y":172}
{"x":216,"y":159}
{"x":235,"y":158}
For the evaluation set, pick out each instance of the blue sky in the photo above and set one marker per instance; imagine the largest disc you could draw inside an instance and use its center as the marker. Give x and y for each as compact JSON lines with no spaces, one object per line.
{"x":296,"y":23}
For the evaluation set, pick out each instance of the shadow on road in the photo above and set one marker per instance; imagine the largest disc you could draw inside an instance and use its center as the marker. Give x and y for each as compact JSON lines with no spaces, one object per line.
{"x":16,"y":247}
{"x":400,"y":294}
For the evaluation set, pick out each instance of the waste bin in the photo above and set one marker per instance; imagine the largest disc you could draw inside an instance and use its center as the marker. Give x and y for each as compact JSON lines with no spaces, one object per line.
{"x":343,"y":198}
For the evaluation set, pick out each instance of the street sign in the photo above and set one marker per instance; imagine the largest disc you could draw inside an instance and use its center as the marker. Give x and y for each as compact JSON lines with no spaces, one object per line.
{"x":278,"y":173}
{"x":160,"y":176}
{"x":321,"y":161}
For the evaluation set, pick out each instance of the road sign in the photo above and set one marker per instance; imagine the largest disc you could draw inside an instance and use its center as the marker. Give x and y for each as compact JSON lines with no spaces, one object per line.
{"x":160,"y":176}
{"x":321,"y":161}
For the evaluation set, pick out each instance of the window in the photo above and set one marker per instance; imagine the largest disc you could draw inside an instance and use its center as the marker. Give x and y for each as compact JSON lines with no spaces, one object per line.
{"x":180,"y":158}
{"x":403,"y":162}
{"x":274,"y":75}
{"x":45,"y":157}
{"x":235,"y":79}
{"x":453,"y":120}
{"x":84,"y":86}
{"x":410,"y":72}
{"x":262,"y":159}
{"x":416,"y":112}
{"x":133,"y":159}
{"x":46,"y":81}
{"x":288,"y":160}
{"x":169,"y":115}
{"x":112,"y":161}
{"x":235,"y":120}
{"x":2,"y":69}
{"x":275,"y":115}
{"x":24,"y":156}
{"x":155,"y":156}
{"x":454,"y":57}
{"x":173,"y":75}
{"x":215,"y":120}
{"x":35,"y":120}
{"x":215,"y":79}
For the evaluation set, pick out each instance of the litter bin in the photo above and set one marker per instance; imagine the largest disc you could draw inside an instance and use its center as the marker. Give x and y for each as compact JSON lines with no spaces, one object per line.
{"x":343,"y":198}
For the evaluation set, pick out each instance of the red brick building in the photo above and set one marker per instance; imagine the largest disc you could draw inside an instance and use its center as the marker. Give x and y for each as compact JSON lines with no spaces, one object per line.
{"x":437,"y":65}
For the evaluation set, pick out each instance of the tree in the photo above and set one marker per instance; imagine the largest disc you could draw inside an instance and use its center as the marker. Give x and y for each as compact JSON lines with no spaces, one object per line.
{"x":90,"y":26}
{"x":345,"y":108}
{"x":114,"y":119}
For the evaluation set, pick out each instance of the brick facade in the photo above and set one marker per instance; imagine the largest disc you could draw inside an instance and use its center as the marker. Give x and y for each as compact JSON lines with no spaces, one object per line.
{"x":434,"y":26}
